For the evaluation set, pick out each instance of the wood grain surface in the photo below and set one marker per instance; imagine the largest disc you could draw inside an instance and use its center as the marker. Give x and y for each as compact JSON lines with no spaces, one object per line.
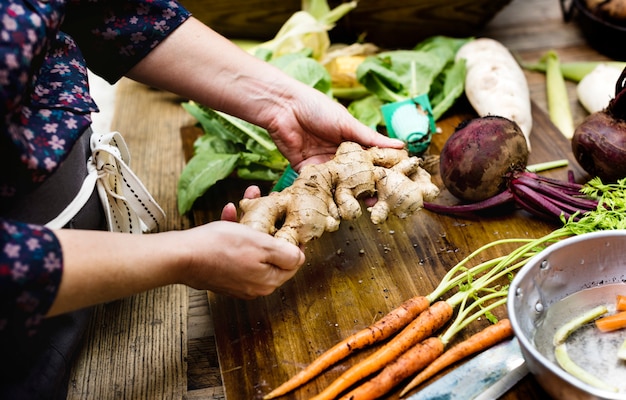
{"x":162,"y":344}
{"x":354,"y":276}
{"x":136,"y":348}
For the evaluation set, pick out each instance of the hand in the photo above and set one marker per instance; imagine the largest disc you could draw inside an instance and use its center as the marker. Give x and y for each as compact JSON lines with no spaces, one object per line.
{"x":306,"y":125}
{"x":224,"y":257}
{"x":229,"y":212}
{"x":235,"y":260}
{"x":311,"y":126}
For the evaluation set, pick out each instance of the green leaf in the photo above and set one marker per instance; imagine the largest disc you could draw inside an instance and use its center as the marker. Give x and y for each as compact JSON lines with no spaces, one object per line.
{"x":310,"y":72}
{"x":367,"y":110}
{"x":246,"y":131}
{"x":201,"y":172}
{"x":258,"y":172}
{"x":429,"y":68}
{"x":447,"y":88}
{"x":274,"y":162}
{"x":406,"y":73}
{"x":211,"y":122}
{"x":444,"y":47}
{"x":214,"y":144}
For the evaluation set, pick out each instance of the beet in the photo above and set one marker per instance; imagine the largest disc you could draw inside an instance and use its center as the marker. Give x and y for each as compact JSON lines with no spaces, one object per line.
{"x":479,"y":156}
{"x":599,"y":142}
{"x":484,"y":162}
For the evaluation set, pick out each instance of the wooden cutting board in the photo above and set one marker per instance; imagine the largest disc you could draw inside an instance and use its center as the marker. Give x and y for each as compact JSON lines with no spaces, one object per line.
{"x":354,"y":276}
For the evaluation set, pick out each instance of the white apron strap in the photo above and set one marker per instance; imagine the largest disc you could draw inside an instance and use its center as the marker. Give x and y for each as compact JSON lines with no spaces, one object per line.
{"x":127,"y":204}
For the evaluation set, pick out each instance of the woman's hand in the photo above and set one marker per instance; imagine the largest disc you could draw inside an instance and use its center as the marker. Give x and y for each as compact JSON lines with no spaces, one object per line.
{"x":229,"y":212}
{"x":235,"y":260}
{"x":307,"y":127}
{"x":224,"y":257}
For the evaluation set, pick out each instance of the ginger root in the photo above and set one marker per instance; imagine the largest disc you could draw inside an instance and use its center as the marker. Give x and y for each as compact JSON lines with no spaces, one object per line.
{"x":324,"y":194}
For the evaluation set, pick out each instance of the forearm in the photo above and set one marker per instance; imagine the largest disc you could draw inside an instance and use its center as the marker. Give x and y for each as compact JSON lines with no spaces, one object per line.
{"x":103,"y":266}
{"x":232,"y":80}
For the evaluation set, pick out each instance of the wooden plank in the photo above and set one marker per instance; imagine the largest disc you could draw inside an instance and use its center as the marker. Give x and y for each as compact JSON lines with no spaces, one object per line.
{"x":354,"y":276}
{"x":119,"y":359}
{"x":216,"y":393}
{"x":133,"y":349}
{"x":136,"y":347}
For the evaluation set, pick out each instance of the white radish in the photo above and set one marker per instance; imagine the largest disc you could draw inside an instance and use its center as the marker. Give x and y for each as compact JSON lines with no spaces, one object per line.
{"x":597,"y":88}
{"x":495,"y":83}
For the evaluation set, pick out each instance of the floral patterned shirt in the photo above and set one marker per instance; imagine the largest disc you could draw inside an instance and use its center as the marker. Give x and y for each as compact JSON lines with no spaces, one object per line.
{"x":45,"y":47}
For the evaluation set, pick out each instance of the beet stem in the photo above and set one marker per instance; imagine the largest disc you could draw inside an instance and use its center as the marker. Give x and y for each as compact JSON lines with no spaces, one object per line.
{"x":531,"y":208}
{"x":499,"y":199}
{"x":569,"y":185}
{"x":537,"y":200}
{"x":574,"y":199}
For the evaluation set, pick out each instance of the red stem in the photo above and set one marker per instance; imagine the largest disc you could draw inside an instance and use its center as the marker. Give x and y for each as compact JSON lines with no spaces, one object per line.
{"x":497,"y":200}
{"x":574,"y":199}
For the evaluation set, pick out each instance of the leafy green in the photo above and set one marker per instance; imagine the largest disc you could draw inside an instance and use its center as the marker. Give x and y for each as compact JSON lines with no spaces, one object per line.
{"x":304,"y":68}
{"x":368,"y":110}
{"x":231,"y":145}
{"x":305,"y":29}
{"x":207,"y":169}
{"x":429,"y":68}
{"x":446,"y":88}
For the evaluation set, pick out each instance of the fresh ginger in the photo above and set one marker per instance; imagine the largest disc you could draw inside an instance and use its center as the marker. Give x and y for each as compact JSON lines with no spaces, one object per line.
{"x":324,"y":194}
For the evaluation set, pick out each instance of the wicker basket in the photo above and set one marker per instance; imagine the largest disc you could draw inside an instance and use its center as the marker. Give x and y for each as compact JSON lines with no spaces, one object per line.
{"x":399,"y":24}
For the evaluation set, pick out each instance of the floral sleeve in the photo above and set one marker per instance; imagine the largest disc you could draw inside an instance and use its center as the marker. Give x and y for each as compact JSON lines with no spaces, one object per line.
{"x":115,"y":35}
{"x":30,"y":273}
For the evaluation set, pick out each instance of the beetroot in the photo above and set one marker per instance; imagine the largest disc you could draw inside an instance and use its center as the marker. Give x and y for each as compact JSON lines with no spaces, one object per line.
{"x":476,"y":160}
{"x":484,"y":164}
{"x":599,"y":142}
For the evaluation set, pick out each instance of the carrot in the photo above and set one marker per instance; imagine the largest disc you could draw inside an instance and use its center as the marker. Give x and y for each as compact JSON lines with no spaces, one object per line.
{"x":456,"y":276}
{"x":380,"y":330}
{"x":388,"y":325}
{"x":427,"y":323}
{"x":480,"y":341}
{"x":435,"y":317}
{"x":612,"y":322}
{"x":621,"y":302}
{"x":414,"y":359}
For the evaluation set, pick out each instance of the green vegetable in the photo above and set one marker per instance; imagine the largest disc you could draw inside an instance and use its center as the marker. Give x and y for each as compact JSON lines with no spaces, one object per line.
{"x":399,"y":75}
{"x":564,"y":360}
{"x":558,"y":99}
{"x":572,"y":325}
{"x":305,"y":69}
{"x":305,"y":29}
{"x":573,"y":71}
{"x":231,"y":145}
{"x":367,"y":110}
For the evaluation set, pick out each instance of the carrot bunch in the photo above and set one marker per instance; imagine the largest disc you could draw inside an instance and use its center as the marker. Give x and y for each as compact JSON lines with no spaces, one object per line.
{"x":414,"y":344}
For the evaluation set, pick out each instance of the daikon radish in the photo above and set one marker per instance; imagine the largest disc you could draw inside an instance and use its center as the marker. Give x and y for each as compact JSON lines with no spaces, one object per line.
{"x":597,"y":88}
{"x":495,"y":83}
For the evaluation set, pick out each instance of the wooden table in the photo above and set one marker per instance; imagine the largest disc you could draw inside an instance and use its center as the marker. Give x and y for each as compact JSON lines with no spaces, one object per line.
{"x":165,"y":343}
